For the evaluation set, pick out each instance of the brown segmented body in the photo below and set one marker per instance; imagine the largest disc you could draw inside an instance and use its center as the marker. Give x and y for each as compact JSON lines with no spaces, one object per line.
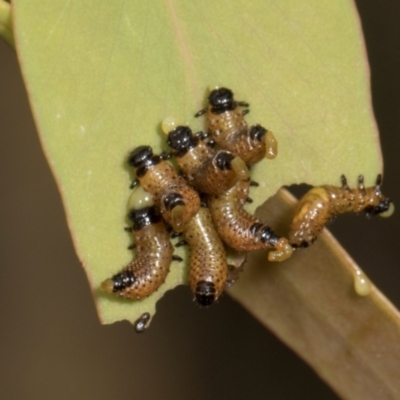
{"x":320,"y":204}
{"x":177,"y":201}
{"x":208,"y":171}
{"x":148,"y":271}
{"x":229,"y":129}
{"x":242,"y":231}
{"x":208,"y":265}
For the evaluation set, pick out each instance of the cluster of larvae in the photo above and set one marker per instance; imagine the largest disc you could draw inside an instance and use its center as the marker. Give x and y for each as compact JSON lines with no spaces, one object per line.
{"x":204,"y":202}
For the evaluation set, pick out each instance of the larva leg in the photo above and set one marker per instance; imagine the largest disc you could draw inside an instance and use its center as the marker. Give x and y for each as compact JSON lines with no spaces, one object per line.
{"x":254,"y":183}
{"x":243,"y":104}
{"x":181,"y":243}
{"x":175,"y":234}
{"x":378,"y":182}
{"x":132,"y":246}
{"x":201,"y":112}
{"x":177,"y":258}
{"x":344,"y":183}
{"x":245,"y":112}
{"x":361,"y":186}
{"x":165,"y":156}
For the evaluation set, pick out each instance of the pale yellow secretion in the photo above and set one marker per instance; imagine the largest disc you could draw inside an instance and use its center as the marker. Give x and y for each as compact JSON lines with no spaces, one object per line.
{"x":169,"y":124}
{"x":389,"y":212}
{"x":271,"y":145}
{"x":213,"y":87}
{"x":283,"y":251}
{"x":362,"y":285}
{"x":239,"y":166}
{"x":140,"y":199}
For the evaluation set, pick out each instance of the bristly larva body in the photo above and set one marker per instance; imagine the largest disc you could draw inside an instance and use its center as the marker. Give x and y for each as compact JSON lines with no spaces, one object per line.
{"x":208,"y":171}
{"x":177,"y":201}
{"x":148,"y":271}
{"x":242,"y":231}
{"x":208,"y":265}
{"x":320,"y":204}
{"x":229,"y":129}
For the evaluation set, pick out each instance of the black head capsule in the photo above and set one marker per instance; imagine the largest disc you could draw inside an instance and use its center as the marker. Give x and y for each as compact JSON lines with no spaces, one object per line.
{"x":144,"y":217}
{"x":205,"y":293}
{"x":173,"y":200}
{"x":380,"y":208}
{"x":142,"y":158}
{"x":181,"y":139}
{"x":257,"y":132}
{"x":224,"y":160}
{"x":140,"y":155}
{"x":123,"y":280}
{"x":221,"y":100}
{"x":267,"y":235}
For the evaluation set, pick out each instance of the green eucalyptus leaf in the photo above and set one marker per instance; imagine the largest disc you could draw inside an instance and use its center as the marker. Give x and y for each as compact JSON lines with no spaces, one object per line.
{"x":6,"y":31}
{"x":101,"y":77}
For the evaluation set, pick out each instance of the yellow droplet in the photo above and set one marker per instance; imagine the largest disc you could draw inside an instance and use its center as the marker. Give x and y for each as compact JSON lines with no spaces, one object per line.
{"x":239,"y":166}
{"x":107,"y":285}
{"x":389,"y":212}
{"x":169,"y":124}
{"x":362,"y":285}
{"x":213,"y":87}
{"x":271,"y":145}
{"x":140,"y":199}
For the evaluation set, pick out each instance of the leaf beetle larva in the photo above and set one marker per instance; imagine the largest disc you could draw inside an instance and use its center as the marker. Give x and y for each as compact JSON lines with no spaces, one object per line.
{"x":241,"y":230}
{"x":208,"y":266}
{"x":320,"y":204}
{"x":208,"y":171}
{"x":154,"y":252}
{"x":229,"y":129}
{"x":177,"y":201}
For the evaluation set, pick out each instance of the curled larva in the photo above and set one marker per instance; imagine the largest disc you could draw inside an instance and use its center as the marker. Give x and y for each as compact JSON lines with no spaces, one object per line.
{"x":208,"y":171}
{"x":320,"y":204}
{"x":242,"y":231}
{"x":177,"y":201}
{"x":154,"y":253}
{"x":229,"y":129}
{"x":208,"y":265}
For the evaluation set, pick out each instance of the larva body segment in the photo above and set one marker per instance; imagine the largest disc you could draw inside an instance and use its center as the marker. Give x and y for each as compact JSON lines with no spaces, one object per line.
{"x":177,"y":201}
{"x":148,"y":271}
{"x":229,"y":129}
{"x":320,"y":204}
{"x":208,"y":265}
{"x":208,"y":171}
{"x":242,"y":231}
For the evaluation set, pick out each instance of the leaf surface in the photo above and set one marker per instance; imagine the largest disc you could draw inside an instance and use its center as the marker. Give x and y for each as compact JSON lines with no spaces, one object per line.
{"x":101,"y":76}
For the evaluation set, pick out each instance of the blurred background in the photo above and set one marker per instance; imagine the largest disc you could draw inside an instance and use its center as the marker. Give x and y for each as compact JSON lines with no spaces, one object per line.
{"x":52,"y":345}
